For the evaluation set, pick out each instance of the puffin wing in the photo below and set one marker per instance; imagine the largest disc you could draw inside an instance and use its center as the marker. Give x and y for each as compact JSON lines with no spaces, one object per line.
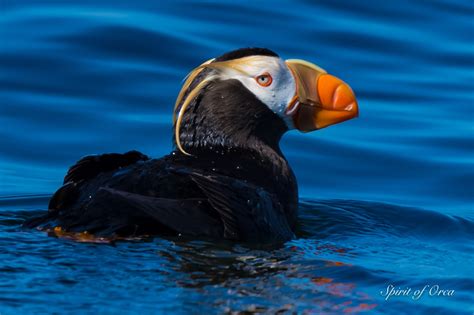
{"x":115,"y":212}
{"x":185,"y":216}
{"x":90,"y":166}
{"x":249,"y":212}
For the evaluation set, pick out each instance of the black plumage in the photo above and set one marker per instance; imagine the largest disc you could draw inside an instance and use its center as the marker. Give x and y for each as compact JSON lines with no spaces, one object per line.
{"x":246,"y":52}
{"x":236,"y":184}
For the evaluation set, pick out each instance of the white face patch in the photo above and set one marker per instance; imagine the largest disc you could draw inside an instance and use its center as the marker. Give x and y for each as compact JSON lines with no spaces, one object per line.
{"x":277,"y":95}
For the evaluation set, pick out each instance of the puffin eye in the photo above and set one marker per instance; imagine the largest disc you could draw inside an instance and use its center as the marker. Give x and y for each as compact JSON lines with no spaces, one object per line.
{"x":264,"y":79}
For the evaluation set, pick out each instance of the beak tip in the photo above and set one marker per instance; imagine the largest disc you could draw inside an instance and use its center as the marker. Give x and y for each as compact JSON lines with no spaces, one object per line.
{"x":337,"y":95}
{"x":343,"y":98}
{"x":354,"y":109}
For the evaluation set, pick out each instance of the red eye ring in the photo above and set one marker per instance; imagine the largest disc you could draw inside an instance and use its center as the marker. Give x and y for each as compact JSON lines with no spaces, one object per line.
{"x":264,"y":79}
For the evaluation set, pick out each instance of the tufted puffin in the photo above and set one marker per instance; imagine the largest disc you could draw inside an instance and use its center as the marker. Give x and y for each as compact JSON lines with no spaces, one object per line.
{"x":226,"y":177}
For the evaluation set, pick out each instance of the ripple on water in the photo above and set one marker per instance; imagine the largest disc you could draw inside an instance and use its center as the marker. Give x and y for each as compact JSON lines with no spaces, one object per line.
{"x":346,"y":252}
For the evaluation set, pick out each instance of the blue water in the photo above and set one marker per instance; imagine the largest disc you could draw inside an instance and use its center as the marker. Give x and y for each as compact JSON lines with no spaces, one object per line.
{"x":386,"y":199}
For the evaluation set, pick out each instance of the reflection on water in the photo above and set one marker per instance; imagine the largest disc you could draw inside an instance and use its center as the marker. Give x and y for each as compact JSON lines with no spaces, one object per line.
{"x":346,"y":254}
{"x":95,"y":77}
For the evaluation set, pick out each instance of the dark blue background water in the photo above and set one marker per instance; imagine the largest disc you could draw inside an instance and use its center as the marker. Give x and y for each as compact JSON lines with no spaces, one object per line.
{"x":100,"y":76}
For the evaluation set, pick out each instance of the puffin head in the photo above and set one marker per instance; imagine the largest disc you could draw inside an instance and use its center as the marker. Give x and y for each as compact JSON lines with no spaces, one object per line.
{"x":251,"y":95}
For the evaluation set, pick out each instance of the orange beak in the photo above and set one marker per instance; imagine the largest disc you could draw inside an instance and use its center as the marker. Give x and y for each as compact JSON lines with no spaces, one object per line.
{"x":321,"y":100}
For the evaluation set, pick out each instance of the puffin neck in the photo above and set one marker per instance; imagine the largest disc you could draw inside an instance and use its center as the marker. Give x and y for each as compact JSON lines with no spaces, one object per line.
{"x":228,"y":131}
{"x":226,"y":117}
